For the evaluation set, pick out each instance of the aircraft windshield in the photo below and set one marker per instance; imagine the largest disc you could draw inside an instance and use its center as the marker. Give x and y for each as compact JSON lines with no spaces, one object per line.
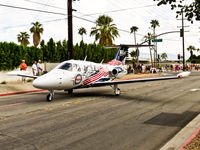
{"x":66,"y":66}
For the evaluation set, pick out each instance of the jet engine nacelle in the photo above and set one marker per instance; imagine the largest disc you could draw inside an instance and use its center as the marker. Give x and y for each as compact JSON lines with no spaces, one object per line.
{"x":118,"y":72}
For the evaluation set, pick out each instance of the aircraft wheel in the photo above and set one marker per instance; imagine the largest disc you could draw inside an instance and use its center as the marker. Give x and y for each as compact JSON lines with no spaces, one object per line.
{"x":70,"y":91}
{"x":117,"y":92}
{"x":49,"y":97}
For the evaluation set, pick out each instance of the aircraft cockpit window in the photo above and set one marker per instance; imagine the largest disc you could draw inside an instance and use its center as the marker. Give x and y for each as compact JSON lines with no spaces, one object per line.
{"x":66,"y":66}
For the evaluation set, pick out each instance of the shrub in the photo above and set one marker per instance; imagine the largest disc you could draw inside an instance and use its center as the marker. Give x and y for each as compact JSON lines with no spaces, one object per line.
{"x":3,"y":82}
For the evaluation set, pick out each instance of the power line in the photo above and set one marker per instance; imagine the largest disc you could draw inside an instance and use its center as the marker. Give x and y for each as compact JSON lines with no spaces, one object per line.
{"x":44,"y":4}
{"x":95,"y":23}
{"x":47,"y":21}
{"x":119,"y":10}
{"x":30,"y":9}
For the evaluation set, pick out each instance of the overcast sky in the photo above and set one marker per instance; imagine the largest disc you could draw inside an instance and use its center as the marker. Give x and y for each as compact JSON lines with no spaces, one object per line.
{"x":129,"y":13}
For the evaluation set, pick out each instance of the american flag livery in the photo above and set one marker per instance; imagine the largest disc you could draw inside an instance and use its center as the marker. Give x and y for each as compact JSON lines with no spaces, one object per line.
{"x":114,"y":62}
{"x":101,"y":72}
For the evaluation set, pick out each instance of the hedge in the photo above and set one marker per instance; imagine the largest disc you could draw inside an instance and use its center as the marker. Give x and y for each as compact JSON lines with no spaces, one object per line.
{"x":12,"y":54}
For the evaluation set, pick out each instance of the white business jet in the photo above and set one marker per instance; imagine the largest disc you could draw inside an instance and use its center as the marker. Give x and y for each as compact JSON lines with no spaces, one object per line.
{"x":75,"y":74}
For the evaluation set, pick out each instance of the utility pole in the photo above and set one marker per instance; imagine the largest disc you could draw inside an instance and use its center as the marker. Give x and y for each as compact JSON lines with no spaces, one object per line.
{"x":182,"y":34}
{"x":70,"y":30}
{"x":183,"y":41}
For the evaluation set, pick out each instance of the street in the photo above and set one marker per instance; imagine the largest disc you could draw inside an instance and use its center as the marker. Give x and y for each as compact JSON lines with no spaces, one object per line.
{"x":145,"y":116}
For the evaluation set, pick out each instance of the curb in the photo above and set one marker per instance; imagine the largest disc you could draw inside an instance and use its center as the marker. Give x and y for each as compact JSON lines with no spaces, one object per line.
{"x":190,"y":138}
{"x":185,"y":136}
{"x":23,"y":92}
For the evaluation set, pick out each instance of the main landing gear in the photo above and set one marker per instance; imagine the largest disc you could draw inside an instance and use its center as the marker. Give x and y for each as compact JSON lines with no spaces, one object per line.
{"x":70,"y":91}
{"x":116,"y":89}
{"x":50,"y":96}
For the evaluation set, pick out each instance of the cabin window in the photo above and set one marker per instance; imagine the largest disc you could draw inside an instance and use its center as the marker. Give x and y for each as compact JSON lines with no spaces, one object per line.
{"x":85,"y":69}
{"x":66,"y":66}
{"x":76,"y":67}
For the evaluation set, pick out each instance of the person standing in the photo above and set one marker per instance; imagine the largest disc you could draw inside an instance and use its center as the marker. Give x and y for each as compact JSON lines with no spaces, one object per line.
{"x":39,"y":68}
{"x":34,"y":68}
{"x":23,"y":67}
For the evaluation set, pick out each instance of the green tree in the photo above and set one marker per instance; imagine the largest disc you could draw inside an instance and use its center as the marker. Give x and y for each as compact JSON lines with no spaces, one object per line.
{"x":11,"y":54}
{"x":192,"y":9}
{"x":133,"y":55}
{"x":51,"y":48}
{"x":36,"y":29}
{"x":82,"y":31}
{"x":191,"y":49}
{"x":164,"y":56}
{"x":65,"y":52}
{"x":134,"y":30}
{"x":104,"y":31}
{"x":148,"y":38}
{"x":23,"y":38}
{"x":154,"y":24}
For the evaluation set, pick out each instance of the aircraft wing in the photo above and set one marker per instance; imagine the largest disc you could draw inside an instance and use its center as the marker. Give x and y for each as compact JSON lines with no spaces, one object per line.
{"x":21,"y":73}
{"x":97,"y":84}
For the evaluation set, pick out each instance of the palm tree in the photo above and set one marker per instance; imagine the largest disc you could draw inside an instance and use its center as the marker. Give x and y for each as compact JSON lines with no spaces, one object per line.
{"x":154,"y":24}
{"x":134,"y":30}
{"x":191,"y":49}
{"x":23,"y":38}
{"x":164,"y":56}
{"x":36,"y":29}
{"x":149,"y":37}
{"x":82,"y":31}
{"x":104,"y":31}
{"x":198,"y":49}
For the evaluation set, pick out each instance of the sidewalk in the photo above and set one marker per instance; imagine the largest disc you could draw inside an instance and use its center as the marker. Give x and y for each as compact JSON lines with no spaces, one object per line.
{"x":186,"y":136}
{"x":16,"y":86}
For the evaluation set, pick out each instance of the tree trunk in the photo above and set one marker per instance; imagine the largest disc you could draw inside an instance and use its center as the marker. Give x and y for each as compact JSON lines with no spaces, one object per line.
{"x":135,"y":37}
{"x":151,"y":56}
{"x":36,"y":39}
{"x":191,"y":53}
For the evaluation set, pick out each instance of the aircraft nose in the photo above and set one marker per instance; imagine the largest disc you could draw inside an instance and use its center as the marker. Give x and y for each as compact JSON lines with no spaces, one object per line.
{"x":37,"y":83}
{"x":42,"y":83}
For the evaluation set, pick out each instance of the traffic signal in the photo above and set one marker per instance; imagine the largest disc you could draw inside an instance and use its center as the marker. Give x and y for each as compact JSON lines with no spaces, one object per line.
{"x":149,"y":42}
{"x":179,"y":56}
{"x":181,"y":32}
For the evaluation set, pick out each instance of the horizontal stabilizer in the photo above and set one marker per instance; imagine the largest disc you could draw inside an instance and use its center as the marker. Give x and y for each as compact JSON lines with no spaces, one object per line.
{"x":184,"y":74}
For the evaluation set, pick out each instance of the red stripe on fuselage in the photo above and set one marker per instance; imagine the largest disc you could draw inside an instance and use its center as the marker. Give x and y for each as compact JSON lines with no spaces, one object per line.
{"x":93,"y":78}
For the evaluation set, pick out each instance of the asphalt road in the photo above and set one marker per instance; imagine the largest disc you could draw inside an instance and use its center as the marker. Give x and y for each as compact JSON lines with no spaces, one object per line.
{"x":144,"y":117}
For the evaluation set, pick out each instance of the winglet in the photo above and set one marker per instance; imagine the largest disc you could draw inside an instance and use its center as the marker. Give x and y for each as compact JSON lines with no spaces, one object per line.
{"x":183,"y":74}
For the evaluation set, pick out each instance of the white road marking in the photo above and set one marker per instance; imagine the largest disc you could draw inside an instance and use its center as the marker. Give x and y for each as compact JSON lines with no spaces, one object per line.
{"x":194,"y":90}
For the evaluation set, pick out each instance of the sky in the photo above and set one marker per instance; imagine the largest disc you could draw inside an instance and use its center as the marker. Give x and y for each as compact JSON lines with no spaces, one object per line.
{"x":125,"y":14}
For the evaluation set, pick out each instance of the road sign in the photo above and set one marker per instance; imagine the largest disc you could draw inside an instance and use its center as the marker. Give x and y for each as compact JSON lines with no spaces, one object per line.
{"x":157,"y":40}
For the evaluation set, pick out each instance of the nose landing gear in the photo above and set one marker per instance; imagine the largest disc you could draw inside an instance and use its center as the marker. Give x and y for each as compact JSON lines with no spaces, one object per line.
{"x":50,"y":96}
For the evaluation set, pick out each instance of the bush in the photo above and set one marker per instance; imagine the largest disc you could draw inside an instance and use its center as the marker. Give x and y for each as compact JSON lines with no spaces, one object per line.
{"x":12,"y":54}
{"x":30,"y":80}
{"x":3,"y":82}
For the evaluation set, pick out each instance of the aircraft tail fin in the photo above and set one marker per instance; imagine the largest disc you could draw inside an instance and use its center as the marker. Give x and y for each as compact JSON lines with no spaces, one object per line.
{"x":122,"y":53}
